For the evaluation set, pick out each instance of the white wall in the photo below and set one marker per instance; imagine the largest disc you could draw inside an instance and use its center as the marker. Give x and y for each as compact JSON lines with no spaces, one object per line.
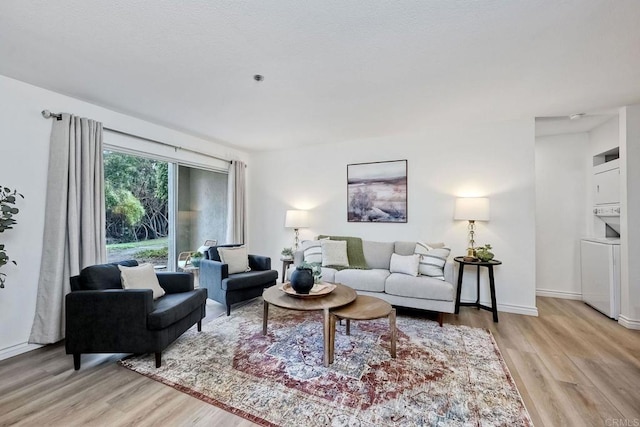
{"x":561,"y":193}
{"x":630,"y":212}
{"x":495,"y":160}
{"x":24,"y":151}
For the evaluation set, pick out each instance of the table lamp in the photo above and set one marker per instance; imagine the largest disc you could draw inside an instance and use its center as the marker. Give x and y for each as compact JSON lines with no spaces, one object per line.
{"x":472,"y":209}
{"x":296,"y":219}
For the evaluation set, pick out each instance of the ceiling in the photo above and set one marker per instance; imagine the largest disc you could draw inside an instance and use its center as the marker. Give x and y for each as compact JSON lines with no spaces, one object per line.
{"x":334,"y":70}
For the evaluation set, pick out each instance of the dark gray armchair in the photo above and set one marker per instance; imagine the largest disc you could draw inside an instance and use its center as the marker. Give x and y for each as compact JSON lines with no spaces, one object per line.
{"x":228,"y":288}
{"x":101,"y":317}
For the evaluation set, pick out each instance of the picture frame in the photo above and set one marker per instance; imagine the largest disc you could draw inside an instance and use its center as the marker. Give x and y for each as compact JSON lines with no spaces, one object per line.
{"x":377,"y":192}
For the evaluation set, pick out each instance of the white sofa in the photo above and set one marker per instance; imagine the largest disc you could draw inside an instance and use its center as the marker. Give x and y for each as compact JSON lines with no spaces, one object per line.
{"x":422,"y":292}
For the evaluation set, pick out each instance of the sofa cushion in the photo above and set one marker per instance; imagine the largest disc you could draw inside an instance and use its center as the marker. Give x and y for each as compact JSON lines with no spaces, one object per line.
{"x":249,"y":279}
{"x":404,"y":248}
{"x":173,"y":307}
{"x":142,"y":276}
{"x":377,"y":254}
{"x":362,"y":280}
{"x":408,"y":248}
{"x":419,"y":287}
{"x":328,"y":274}
{"x":405,"y":264}
{"x":103,"y":276}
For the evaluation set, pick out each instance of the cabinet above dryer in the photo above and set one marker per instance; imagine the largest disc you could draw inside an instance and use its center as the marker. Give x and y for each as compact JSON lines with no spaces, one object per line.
{"x":606,"y":178}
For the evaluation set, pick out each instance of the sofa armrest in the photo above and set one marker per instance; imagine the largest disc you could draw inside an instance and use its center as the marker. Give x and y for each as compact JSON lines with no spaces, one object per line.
{"x":212,"y":273}
{"x":108,"y":310}
{"x":259,"y":263}
{"x":174,"y":283}
{"x":448,"y":271}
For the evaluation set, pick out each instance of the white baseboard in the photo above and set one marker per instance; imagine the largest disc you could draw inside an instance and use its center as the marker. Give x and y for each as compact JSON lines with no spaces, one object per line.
{"x":17,"y":349}
{"x":510,"y":308}
{"x":628,"y":323}
{"x":558,"y":294}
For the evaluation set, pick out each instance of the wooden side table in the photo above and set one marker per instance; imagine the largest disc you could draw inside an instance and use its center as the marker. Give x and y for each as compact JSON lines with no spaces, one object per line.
{"x":196,"y":274}
{"x":286,"y":262}
{"x":363,"y":308}
{"x":489,"y":265}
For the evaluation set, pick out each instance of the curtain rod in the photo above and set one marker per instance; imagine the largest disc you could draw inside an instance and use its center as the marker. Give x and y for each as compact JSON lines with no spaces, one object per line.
{"x":48,"y":115}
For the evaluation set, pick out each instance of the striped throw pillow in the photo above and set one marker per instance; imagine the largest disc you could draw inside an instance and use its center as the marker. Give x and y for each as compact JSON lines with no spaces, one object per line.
{"x":312,"y":251}
{"x":432,"y":260}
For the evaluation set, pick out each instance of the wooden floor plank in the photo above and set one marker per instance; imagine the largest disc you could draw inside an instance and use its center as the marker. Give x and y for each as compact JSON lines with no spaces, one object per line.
{"x":572,"y":366}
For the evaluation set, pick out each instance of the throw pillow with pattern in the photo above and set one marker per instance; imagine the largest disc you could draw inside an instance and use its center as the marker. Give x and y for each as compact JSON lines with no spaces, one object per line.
{"x":432,"y":260}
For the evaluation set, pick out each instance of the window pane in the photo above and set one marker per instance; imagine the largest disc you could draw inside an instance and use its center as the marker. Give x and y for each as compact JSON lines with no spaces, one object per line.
{"x":202,"y":208}
{"x":136,"y":199}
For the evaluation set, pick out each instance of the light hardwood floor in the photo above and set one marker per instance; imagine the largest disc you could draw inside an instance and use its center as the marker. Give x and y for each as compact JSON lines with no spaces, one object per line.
{"x":572,"y":365}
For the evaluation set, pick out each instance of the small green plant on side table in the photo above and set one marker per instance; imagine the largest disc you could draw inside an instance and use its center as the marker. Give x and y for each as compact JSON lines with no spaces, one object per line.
{"x":196,"y":258}
{"x":287,"y":253}
{"x":484,"y":253}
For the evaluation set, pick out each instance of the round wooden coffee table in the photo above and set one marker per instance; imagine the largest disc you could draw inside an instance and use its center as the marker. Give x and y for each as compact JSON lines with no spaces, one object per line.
{"x":363,"y":308}
{"x":341,"y":295}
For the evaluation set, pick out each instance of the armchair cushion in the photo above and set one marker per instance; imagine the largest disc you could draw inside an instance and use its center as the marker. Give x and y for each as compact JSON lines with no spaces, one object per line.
{"x":142,"y":276}
{"x":102,"y":276}
{"x":173,"y":307}
{"x":237,"y":259}
{"x":212,"y":252}
{"x":250,"y":279}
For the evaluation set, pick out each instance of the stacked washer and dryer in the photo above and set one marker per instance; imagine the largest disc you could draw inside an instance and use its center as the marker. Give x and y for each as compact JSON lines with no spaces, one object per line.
{"x":600,"y":253}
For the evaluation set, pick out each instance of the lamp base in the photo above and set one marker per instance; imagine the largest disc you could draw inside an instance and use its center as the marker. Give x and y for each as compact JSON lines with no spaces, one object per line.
{"x":471,"y":252}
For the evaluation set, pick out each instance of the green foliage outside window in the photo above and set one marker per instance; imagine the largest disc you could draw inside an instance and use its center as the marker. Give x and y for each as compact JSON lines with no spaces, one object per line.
{"x":8,"y":211}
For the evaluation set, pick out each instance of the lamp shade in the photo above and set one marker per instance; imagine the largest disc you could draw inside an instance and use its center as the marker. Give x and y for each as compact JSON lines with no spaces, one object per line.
{"x":296,"y":219}
{"x":472,"y":209}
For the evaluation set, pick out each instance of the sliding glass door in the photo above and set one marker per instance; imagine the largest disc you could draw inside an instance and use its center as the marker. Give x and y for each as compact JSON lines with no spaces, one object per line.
{"x":157,"y":209}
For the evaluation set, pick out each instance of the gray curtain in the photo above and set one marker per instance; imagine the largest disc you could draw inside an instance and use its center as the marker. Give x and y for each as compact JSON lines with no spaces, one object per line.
{"x":74,"y":234}
{"x":236,"y":203}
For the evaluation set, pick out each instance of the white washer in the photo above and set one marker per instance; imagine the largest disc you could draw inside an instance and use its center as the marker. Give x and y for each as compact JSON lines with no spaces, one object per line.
{"x":600,"y":269}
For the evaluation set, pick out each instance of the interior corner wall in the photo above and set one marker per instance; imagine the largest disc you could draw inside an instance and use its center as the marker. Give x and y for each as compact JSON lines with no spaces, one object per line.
{"x":494,"y":160}
{"x":630,"y":212}
{"x":561,"y":194}
{"x":24,"y":154}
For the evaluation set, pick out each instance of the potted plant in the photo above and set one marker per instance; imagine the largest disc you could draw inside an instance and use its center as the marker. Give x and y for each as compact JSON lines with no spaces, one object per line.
{"x":196,"y":258}
{"x":484,"y":253}
{"x":287,"y":253}
{"x":7,"y":221}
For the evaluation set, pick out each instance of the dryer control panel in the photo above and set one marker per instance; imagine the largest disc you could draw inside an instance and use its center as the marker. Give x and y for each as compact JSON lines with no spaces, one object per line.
{"x":612,"y":210}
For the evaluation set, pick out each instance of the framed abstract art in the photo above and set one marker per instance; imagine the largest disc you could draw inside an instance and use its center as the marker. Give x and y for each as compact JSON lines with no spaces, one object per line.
{"x":377,"y":192}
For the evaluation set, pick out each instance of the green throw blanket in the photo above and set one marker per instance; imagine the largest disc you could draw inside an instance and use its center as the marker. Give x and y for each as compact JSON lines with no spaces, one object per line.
{"x":355,"y":253}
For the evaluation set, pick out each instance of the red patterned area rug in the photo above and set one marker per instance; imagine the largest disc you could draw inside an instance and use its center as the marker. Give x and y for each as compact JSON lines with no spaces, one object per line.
{"x":452,"y":375}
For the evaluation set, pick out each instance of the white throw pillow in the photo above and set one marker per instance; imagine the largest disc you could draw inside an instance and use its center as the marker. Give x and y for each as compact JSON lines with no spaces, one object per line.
{"x":405,"y":264}
{"x":334,"y":252}
{"x":432,"y":260}
{"x":236,"y":258}
{"x":141,"y":277}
